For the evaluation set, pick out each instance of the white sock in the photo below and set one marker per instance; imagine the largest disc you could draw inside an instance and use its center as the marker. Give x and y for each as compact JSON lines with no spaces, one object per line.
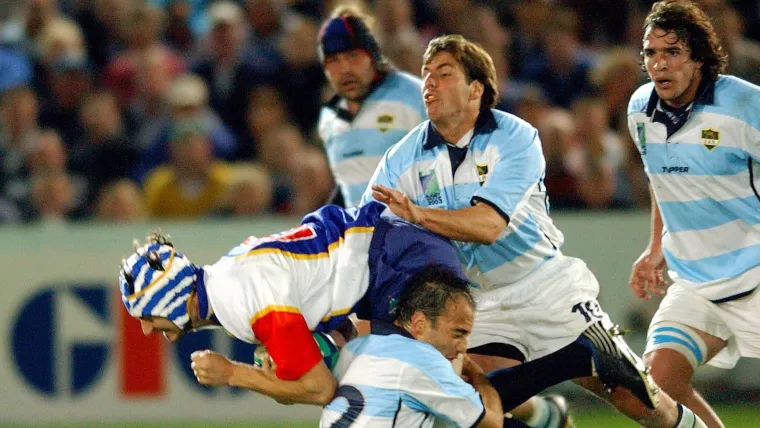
{"x":542,"y":413}
{"x":687,"y":418}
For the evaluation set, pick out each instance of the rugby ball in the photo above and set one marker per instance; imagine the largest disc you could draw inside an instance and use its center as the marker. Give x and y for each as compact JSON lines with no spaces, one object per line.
{"x":326,"y":344}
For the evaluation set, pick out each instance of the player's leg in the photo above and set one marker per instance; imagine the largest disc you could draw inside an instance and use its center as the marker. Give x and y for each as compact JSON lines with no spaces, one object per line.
{"x":686,"y":332}
{"x":668,"y":413}
{"x":674,"y":354}
{"x":518,"y":387}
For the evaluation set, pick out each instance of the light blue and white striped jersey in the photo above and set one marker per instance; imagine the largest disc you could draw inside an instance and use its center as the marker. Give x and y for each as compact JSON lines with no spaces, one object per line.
{"x":355,"y":145}
{"x":705,"y":177}
{"x":501,"y":165}
{"x":388,"y":379}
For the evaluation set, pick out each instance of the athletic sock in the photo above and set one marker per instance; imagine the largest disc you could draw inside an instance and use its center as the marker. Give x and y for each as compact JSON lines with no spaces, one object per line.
{"x":687,"y":418}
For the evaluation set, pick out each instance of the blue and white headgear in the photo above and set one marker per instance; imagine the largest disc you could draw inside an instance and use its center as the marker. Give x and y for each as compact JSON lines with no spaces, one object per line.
{"x":157,"y":281}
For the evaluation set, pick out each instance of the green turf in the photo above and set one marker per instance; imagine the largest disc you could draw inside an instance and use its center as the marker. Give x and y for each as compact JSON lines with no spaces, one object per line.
{"x":586,"y":417}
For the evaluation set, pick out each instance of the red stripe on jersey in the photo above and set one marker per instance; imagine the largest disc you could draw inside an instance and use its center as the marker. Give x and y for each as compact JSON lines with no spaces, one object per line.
{"x":289,"y":342}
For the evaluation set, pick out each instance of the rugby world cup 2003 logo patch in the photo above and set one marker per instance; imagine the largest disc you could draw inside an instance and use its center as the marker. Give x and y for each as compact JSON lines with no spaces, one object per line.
{"x":431,"y":188}
{"x":641,"y":134}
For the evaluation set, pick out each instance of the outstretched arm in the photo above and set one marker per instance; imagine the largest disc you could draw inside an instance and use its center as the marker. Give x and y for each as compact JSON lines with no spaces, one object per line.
{"x":480,"y":223}
{"x":317,"y":386}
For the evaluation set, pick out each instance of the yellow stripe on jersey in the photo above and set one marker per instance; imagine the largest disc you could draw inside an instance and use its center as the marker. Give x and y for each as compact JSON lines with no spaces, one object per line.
{"x":297,"y":256}
{"x":314,"y":256}
{"x":335,"y":314}
{"x":368,"y":229}
{"x":274,"y":308}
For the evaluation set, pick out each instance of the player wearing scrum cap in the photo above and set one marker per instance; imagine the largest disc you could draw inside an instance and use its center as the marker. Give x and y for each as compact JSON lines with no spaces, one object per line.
{"x":374,"y":107}
{"x":278,"y":290}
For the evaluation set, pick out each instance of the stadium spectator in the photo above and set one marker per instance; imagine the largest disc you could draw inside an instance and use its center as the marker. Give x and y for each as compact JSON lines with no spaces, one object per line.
{"x":250,"y":194}
{"x":143,"y":29}
{"x":562,"y":68}
{"x":227,"y":67}
{"x":188,"y":99}
{"x":193,"y":182}
{"x":104,"y":153}
{"x":120,"y":201}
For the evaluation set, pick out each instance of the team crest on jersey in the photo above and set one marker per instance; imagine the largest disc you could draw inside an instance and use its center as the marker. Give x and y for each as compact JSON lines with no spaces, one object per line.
{"x":385,"y":122}
{"x":710,"y":138}
{"x":430,"y":187}
{"x":482,"y":173}
{"x":641,"y":133}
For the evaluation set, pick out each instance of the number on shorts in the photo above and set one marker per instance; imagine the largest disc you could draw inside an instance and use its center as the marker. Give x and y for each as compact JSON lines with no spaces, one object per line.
{"x":355,"y":406}
{"x":589,"y":309}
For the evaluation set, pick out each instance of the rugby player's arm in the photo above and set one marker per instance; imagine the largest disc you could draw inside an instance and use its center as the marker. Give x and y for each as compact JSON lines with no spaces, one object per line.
{"x":300,"y":375}
{"x":480,"y":223}
{"x":317,"y":386}
{"x":494,"y":415}
{"x":655,"y":237}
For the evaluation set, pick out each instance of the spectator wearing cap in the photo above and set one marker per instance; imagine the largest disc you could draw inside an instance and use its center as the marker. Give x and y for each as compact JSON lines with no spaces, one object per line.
{"x":228,"y":68}
{"x":375,"y":105}
{"x":188,"y":99}
{"x":193,"y":183}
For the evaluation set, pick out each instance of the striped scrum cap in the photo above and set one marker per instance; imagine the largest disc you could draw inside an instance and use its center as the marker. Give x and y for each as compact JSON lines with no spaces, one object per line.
{"x":157,"y":281}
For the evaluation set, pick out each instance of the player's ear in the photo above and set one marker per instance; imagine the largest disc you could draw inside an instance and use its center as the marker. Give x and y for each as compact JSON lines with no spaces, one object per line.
{"x":418,"y":324}
{"x":476,"y":89}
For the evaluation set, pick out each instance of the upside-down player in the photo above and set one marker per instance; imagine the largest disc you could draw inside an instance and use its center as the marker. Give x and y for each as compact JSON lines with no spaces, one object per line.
{"x":278,"y":289}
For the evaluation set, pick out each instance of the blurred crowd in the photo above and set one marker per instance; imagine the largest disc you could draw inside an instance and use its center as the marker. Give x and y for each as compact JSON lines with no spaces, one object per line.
{"x":119,"y":110}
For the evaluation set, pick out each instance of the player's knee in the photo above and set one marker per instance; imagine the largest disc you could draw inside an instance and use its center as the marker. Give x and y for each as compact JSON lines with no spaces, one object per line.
{"x":672,"y":372}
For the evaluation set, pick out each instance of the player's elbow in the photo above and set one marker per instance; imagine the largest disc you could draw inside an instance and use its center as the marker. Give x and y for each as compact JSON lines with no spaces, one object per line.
{"x":491,"y":419}
{"x":491,"y":226}
{"x":319,"y":385}
{"x":321,"y":394}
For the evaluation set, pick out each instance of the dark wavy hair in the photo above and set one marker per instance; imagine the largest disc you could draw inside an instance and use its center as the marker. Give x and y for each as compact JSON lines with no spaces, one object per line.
{"x":429,"y":291}
{"x":476,"y":62}
{"x":693,"y":26}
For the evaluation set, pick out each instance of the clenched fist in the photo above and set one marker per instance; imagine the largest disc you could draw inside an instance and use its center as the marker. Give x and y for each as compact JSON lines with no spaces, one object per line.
{"x":211,"y":368}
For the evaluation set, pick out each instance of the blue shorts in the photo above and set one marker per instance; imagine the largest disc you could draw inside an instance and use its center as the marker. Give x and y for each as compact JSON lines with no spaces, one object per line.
{"x":397,"y":252}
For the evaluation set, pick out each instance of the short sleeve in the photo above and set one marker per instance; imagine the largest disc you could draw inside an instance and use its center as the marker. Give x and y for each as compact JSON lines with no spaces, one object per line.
{"x":434,"y":387}
{"x":518,"y":166}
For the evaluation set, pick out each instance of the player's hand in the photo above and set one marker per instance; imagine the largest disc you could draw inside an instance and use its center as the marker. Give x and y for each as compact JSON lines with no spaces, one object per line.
{"x":471,"y":371}
{"x":211,"y":368}
{"x":646,"y":275}
{"x":398,"y":202}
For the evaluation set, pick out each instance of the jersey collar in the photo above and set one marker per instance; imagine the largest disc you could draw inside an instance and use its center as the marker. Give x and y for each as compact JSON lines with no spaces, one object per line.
{"x":484,"y":124}
{"x":386,"y":329}
{"x":705,"y":96}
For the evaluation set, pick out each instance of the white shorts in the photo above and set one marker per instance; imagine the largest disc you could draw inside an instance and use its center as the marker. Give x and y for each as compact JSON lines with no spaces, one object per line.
{"x":541,"y":313}
{"x":736,"y":321}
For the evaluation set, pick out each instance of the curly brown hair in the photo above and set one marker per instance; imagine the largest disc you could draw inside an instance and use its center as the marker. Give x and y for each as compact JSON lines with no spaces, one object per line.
{"x":692,"y":25}
{"x":477,"y":64}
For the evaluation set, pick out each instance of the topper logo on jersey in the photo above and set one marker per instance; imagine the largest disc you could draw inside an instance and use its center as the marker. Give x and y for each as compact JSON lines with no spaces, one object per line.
{"x":65,"y":336}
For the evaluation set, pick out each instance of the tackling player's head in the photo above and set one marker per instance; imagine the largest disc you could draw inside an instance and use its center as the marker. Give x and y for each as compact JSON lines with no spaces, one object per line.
{"x":350,"y":55}
{"x":156,"y":283}
{"x":438,"y":308}
{"x":457,"y":76}
{"x":680,"y":49}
